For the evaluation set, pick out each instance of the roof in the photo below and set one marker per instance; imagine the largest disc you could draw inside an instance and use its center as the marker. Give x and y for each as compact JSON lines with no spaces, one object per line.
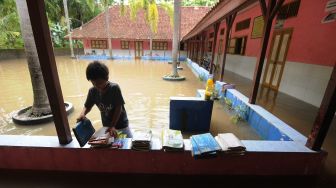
{"x":219,"y":11}
{"x":122,"y":27}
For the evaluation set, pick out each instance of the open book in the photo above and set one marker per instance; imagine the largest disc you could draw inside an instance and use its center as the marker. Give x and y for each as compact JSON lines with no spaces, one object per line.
{"x":230,"y":143}
{"x":101,"y":138}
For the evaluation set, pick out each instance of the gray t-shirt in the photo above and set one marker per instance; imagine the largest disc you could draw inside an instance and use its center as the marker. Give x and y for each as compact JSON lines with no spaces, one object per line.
{"x":106,"y":103}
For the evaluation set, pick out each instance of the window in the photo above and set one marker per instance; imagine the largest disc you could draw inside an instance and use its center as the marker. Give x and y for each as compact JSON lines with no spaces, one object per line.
{"x":222,"y":31}
{"x":245,"y":24}
{"x":124,"y":44}
{"x":237,"y":45}
{"x":258,"y":27}
{"x":99,"y":44}
{"x":210,"y":46}
{"x":160,"y":45}
{"x":289,"y":10}
{"x":212,"y":35}
{"x":220,"y":47}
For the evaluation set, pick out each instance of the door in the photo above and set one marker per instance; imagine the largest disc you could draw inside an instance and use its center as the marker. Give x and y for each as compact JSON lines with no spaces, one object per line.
{"x":138,"y":49}
{"x":277,"y":58}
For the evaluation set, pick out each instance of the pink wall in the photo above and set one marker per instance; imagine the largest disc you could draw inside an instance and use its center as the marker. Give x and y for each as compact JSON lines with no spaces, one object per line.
{"x":312,"y":42}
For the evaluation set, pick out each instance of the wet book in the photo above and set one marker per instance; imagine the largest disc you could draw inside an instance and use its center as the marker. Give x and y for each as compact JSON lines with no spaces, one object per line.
{"x":229,"y":143}
{"x":141,"y":140}
{"x":83,"y":131}
{"x":204,"y":146}
{"x":172,"y":140}
{"x":101,"y":138}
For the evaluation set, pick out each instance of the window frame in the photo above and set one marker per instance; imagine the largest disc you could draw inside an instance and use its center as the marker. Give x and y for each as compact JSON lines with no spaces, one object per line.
{"x":98,"y":44}
{"x":160,"y":45}
{"x":124,"y":44}
{"x":232,"y":47}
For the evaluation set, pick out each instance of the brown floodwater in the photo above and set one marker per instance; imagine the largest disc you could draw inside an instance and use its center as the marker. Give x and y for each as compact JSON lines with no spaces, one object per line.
{"x":145,"y":93}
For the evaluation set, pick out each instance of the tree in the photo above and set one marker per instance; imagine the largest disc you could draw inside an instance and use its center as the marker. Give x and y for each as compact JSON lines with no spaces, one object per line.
{"x":10,"y":36}
{"x":176,"y":35}
{"x":106,"y":4}
{"x":40,"y":103}
{"x":65,"y":3}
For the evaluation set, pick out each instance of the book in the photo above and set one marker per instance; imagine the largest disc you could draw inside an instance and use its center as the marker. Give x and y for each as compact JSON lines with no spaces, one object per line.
{"x":83,"y":131}
{"x":204,"y":146}
{"x":141,"y":140}
{"x":206,"y":143}
{"x":101,"y":138}
{"x":172,"y":140}
{"x":229,"y":143}
{"x":196,"y":153}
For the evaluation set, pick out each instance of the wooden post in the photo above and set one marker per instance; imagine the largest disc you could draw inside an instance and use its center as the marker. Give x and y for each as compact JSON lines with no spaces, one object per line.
{"x":203,"y":45}
{"x":39,"y":22}
{"x":324,"y":116}
{"x":216,"y":28}
{"x":269,"y":11}
{"x":192,"y":50}
{"x":229,"y":22}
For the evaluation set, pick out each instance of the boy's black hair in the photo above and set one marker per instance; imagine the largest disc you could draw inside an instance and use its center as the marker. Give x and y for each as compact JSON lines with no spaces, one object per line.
{"x":97,"y":70}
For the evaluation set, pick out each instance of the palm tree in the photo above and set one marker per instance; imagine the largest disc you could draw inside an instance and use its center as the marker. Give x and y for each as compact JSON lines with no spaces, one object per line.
{"x":65,"y":3}
{"x":176,"y":35}
{"x":106,"y":4}
{"x":40,"y":103}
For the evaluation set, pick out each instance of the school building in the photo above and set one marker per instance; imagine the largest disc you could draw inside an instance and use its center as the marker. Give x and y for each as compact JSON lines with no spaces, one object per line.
{"x":131,"y":38}
{"x":300,"y":53}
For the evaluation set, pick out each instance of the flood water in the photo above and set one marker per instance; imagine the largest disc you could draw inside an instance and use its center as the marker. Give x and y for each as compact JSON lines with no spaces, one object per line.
{"x":145,"y":93}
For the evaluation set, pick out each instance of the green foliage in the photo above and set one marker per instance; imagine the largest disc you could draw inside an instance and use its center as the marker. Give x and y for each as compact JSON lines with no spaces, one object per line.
{"x":150,"y":8}
{"x":228,"y":102}
{"x":199,"y":2}
{"x":57,"y":34}
{"x":240,"y":114}
{"x":80,"y":11}
{"x":10,"y":36}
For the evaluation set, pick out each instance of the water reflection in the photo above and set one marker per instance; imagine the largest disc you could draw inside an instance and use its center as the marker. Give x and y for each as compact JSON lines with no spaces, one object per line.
{"x":145,"y":93}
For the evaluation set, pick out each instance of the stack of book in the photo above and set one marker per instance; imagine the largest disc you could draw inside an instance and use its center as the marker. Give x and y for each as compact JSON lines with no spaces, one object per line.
{"x":101,"y":138}
{"x":141,"y":140}
{"x":230,"y":144}
{"x":172,"y":140}
{"x":204,"y":146}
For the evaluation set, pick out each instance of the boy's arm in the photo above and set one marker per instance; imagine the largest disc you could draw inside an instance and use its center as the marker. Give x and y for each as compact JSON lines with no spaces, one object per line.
{"x":115,"y":118}
{"x":83,"y":113}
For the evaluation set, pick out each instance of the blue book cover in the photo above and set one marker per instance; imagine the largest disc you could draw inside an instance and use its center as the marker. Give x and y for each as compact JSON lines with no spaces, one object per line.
{"x":206,"y":143}
{"x":194,"y":149}
{"x":83,"y":131}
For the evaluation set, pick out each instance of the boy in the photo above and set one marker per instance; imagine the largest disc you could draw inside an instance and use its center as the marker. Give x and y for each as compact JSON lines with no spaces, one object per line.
{"x":108,"y":98}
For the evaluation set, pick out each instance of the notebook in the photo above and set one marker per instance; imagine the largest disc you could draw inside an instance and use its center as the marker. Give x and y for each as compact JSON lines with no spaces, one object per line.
{"x":83,"y":131}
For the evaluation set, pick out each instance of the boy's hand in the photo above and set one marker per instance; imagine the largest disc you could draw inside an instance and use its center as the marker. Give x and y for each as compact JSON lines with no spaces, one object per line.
{"x":80,"y":118}
{"x":112,"y":131}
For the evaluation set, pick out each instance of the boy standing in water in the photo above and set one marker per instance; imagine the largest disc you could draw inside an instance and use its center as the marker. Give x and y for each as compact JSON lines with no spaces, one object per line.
{"x":108,"y":98}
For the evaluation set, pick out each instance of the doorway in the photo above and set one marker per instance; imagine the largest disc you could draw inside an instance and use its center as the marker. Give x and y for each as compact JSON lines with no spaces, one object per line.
{"x":277,"y":58}
{"x":138,"y":49}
